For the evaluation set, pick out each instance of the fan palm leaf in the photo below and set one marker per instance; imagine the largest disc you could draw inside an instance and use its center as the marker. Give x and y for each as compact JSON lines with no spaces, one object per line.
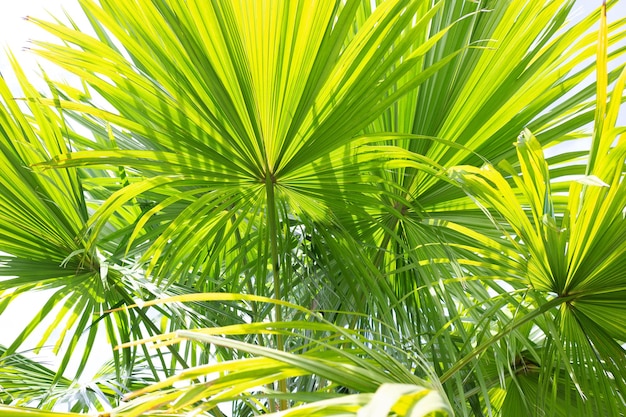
{"x":44,"y":216}
{"x":573,"y":255}
{"x":234,"y":156}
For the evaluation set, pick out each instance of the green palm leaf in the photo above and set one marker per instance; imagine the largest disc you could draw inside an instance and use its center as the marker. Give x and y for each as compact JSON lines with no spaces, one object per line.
{"x":325,"y":358}
{"x":43,"y":217}
{"x":268,"y":123}
{"x":572,"y":257}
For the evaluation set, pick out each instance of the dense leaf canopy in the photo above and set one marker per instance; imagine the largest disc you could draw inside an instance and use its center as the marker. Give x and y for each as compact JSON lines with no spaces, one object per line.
{"x":324,"y":208}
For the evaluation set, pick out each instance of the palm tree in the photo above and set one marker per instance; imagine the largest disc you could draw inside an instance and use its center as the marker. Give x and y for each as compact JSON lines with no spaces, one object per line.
{"x":315,"y":208}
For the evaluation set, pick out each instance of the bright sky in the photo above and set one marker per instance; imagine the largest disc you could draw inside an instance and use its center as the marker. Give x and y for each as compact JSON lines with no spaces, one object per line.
{"x":15,"y":33}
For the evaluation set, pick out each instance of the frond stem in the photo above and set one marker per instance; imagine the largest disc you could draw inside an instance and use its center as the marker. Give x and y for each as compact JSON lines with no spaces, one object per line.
{"x":272,"y":220}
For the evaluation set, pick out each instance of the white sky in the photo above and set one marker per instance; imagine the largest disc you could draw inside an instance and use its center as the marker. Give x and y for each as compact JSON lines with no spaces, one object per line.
{"x":15,"y":33}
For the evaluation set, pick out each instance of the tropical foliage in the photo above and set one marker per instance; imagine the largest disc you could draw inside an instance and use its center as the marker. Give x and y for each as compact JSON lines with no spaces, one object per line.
{"x":317,"y":209}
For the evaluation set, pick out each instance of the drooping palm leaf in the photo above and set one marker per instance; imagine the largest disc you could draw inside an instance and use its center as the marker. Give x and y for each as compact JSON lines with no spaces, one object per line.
{"x":337,"y":361}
